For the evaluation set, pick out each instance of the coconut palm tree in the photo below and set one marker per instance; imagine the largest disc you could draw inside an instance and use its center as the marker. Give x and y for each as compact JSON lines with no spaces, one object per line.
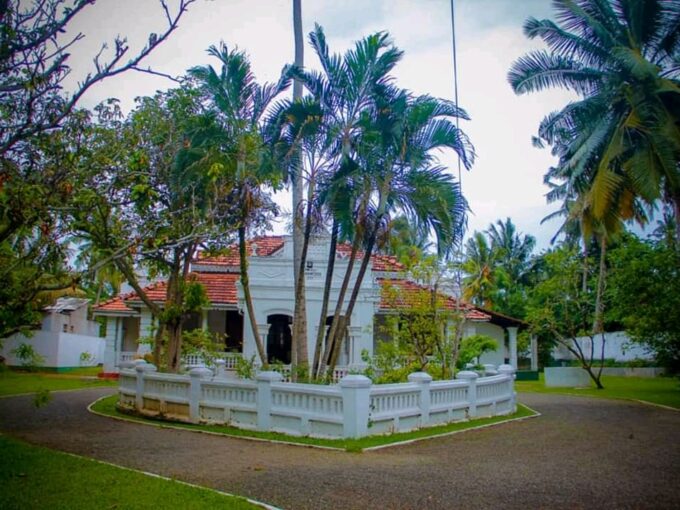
{"x":479,"y":267}
{"x":240,"y":103}
{"x":621,"y":58}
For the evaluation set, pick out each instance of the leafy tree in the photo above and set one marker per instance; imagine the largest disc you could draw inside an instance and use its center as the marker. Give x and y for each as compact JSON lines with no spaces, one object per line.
{"x":623,"y":136}
{"x":561,"y":308}
{"x":644,"y":291}
{"x":472,"y":347}
{"x":151,"y":197}
{"x":41,"y":140}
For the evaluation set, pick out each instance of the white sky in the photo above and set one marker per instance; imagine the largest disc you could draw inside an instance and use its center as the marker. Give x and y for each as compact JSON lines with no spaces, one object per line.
{"x":505,"y":181}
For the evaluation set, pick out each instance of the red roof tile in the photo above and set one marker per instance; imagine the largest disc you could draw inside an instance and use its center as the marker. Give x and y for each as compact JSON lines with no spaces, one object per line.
{"x":405,"y":294}
{"x":268,"y":245}
{"x":265,"y":246}
{"x":220,"y":288}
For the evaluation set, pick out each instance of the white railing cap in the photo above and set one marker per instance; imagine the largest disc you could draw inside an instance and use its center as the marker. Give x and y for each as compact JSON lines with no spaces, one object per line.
{"x":269,"y":375}
{"x":145,"y":367}
{"x":467,"y":374}
{"x":420,"y":377}
{"x":201,"y":372}
{"x":355,"y":381}
{"x":506,"y":369}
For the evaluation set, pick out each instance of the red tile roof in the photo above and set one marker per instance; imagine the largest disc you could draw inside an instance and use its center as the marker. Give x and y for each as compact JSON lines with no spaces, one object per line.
{"x":220,"y":288}
{"x":265,"y":246}
{"x":401,"y":294}
{"x":268,"y":245}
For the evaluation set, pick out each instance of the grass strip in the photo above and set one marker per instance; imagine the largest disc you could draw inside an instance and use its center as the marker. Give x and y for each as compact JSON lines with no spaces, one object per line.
{"x":33,"y":477}
{"x":107,"y":406}
{"x":663,"y":391}
{"x":19,"y":383}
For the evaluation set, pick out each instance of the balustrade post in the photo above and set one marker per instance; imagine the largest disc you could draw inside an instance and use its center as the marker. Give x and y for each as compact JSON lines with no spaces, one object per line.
{"x":141,"y":368}
{"x":264,"y":398}
{"x":356,"y":403}
{"x":196,"y":375}
{"x":510,"y":371}
{"x":423,"y":380}
{"x":220,"y":371}
{"x":471,"y":378}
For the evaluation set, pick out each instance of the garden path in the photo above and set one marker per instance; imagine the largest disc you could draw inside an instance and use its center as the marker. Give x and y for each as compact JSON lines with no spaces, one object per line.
{"x":581,"y":453}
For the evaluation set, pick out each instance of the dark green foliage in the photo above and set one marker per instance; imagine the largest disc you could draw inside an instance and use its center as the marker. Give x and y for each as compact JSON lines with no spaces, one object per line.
{"x":644,"y":291}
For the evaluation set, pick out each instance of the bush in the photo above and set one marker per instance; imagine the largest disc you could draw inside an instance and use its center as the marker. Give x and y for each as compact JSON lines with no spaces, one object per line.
{"x":29,"y":358}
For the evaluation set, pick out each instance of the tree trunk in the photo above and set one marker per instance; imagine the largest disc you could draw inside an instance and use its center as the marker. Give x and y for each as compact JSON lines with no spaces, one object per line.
{"x":300,"y":318}
{"x":341,"y":299}
{"x":299,"y":348}
{"x":340,"y":334}
{"x":676,"y":210}
{"x":243,"y":256}
{"x":316,"y":367}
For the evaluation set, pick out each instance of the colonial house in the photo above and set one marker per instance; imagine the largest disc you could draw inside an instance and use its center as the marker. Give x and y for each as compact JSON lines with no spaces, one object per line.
{"x":270,"y":269}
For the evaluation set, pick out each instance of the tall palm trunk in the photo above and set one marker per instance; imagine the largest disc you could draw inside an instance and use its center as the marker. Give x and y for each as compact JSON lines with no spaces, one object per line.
{"x":341,"y":300}
{"x":246,"y":294}
{"x":300,"y":308}
{"x":299,"y":352}
{"x":598,"y":322}
{"x":676,"y":210}
{"x":340,"y":333}
{"x":316,"y":368}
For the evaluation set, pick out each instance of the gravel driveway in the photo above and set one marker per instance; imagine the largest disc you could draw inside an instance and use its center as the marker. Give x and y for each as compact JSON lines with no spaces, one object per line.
{"x":581,"y":453}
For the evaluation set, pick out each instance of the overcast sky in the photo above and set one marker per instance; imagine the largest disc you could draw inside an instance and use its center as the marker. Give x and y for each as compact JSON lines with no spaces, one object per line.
{"x":506,"y":180}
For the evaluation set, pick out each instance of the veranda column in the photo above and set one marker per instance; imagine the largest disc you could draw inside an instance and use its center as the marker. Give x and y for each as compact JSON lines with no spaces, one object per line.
{"x":512,"y":337}
{"x":534,"y":353}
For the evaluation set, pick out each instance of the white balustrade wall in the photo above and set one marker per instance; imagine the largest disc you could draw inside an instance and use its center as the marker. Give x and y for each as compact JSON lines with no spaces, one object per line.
{"x":352,"y":408}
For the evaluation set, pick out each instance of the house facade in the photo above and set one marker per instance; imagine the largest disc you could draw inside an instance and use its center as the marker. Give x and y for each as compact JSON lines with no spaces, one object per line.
{"x":270,"y":270}
{"x":66,"y":338}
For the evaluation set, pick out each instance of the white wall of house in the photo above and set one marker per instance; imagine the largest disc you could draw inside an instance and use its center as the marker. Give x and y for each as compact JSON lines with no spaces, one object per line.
{"x":272,"y":283}
{"x":58,"y":349}
{"x":617,"y":346}
{"x":497,"y":357}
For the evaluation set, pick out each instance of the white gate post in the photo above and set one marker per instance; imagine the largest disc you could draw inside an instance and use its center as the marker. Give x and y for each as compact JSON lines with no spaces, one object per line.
{"x":264,"y":398}
{"x":141,"y":368}
{"x":510,"y":372}
{"x":356,"y":403}
{"x":196,"y":376}
{"x":471,"y":378}
{"x":423,"y":380}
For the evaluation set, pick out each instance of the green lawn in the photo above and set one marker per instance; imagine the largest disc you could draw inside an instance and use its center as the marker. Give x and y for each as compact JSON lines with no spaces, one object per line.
{"x":32,"y":477}
{"x":107,"y":406}
{"x":15,"y":382}
{"x":657,"y":390}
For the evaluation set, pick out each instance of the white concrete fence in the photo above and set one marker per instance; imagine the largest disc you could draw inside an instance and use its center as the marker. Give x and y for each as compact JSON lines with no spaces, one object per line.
{"x":353,"y":408}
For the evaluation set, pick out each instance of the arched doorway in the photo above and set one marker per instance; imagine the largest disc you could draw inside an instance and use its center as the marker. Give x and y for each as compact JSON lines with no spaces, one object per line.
{"x":279,"y":339}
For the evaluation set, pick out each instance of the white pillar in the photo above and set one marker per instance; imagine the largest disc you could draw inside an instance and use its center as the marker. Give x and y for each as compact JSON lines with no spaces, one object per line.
{"x":264,"y":398}
{"x":141,"y":369}
{"x":423,"y":380}
{"x":471,"y":378}
{"x":111,"y":349}
{"x":534,"y":353}
{"x":356,"y":402}
{"x":204,"y":320}
{"x":512,"y":337}
{"x":196,"y":376}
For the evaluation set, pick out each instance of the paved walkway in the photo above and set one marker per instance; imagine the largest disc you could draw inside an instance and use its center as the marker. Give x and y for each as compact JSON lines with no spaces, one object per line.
{"x":582,"y":453}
